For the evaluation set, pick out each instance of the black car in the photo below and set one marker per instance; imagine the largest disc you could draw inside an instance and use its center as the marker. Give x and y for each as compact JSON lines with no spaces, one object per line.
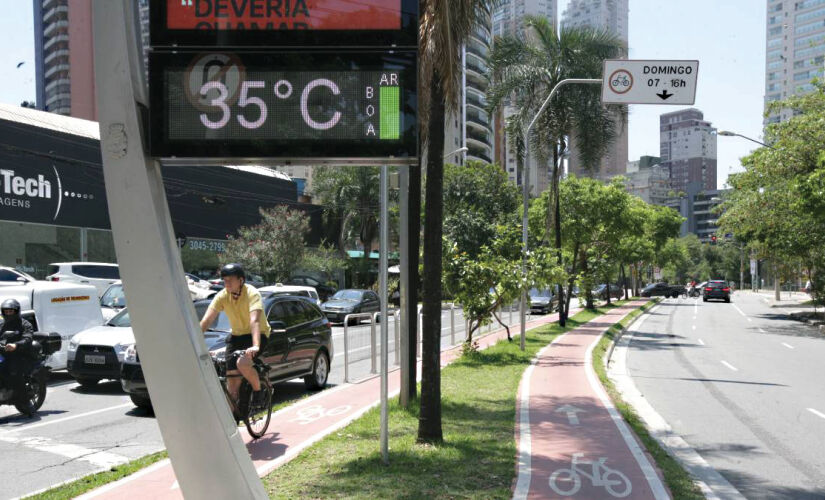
{"x":716,"y":289}
{"x":324,"y":291}
{"x":300,"y":345}
{"x":350,"y":301}
{"x":662,"y":290}
{"x":541,"y":301}
{"x":600,"y":292}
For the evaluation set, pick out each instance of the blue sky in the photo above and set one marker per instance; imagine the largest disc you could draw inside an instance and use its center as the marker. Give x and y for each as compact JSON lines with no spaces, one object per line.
{"x":726,"y":36}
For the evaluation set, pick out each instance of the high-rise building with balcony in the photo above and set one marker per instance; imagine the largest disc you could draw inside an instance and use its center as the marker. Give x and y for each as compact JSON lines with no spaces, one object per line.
{"x":508,"y":20}
{"x":612,"y":16}
{"x":795,"y":50}
{"x":64,"y":55}
{"x":472,"y":126}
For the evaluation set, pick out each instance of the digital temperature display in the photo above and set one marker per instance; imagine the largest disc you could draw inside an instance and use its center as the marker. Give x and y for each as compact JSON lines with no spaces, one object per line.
{"x":283,"y":105}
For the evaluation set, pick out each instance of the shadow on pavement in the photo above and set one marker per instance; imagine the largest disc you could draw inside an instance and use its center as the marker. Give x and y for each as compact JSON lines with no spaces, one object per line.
{"x":107,"y":388}
{"x":723,"y":381}
{"x":756,"y":488}
{"x":21,"y":419}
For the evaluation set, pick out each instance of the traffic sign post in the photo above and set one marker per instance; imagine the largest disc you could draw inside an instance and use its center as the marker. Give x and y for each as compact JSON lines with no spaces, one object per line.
{"x":628,"y":81}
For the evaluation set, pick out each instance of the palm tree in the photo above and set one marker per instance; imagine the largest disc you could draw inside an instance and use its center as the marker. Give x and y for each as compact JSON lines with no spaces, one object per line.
{"x":525,"y":69}
{"x":444,"y":26}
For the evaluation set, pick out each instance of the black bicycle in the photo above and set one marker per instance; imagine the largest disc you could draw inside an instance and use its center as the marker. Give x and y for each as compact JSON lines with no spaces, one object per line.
{"x":256,"y":416}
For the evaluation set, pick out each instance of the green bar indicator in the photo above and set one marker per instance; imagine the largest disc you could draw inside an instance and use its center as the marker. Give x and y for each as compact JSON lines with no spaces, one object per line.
{"x":390,"y":110}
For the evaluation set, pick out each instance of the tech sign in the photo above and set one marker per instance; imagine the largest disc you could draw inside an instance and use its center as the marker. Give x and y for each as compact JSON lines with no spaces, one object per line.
{"x":40,"y":190}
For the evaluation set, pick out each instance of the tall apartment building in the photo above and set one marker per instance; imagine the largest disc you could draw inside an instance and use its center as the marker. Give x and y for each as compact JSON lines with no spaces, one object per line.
{"x":648,"y":179}
{"x":687,"y":147}
{"x":64,"y":55}
{"x":472,"y":127}
{"x":795,"y":51}
{"x":612,"y":16}
{"x":508,"y":20}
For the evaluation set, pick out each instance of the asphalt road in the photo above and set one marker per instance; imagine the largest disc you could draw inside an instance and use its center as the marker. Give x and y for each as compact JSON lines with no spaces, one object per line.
{"x":79,"y":431}
{"x":743,"y":385}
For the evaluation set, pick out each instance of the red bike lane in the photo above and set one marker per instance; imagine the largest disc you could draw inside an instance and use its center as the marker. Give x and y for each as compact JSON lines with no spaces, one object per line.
{"x":572,"y":441}
{"x":291,"y":430}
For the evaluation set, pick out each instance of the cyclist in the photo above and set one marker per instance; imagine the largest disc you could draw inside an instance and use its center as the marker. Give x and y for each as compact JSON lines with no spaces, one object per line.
{"x":244,"y":308}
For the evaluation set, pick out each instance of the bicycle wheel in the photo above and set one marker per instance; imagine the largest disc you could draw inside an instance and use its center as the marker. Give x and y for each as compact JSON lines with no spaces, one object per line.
{"x":616,"y":483}
{"x":565,"y":482}
{"x":257,"y":416}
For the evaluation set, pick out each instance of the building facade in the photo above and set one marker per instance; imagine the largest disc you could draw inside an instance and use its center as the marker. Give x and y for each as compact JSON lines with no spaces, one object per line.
{"x":698,"y":207}
{"x":611,"y":16}
{"x":795,"y":50}
{"x":648,"y":179}
{"x":687,"y":147}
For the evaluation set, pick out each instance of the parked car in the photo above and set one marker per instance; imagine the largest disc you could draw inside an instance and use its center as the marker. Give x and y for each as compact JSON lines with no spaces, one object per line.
{"x":716,"y":289}
{"x":300,"y":345}
{"x":350,"y":301}
{"x":298,"y":291}
{"x":98,"y":274}
{"x":113,"y":301}
{"x":65,"y":308}
{"x":541,"y":301}
{"x":662,"y":290}
{"x":600,"y":292}
{"x":12,"y":277}
{"x":324,"y":291}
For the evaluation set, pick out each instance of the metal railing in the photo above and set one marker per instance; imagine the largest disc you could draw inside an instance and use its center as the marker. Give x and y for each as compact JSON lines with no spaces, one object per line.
{"x":358,"y":316}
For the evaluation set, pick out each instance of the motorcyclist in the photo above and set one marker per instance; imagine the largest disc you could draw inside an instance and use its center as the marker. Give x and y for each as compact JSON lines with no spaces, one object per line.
{"x":16,"y":336}
{"x":243,"y":306}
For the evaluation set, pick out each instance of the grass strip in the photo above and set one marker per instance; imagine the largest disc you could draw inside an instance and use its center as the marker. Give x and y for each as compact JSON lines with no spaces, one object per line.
{"x":476,"y":459}
{"x":681,"y":484}
{"x":76,"y":488}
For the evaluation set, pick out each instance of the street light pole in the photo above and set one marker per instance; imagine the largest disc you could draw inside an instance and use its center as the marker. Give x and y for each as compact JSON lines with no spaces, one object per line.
{"x":459,"y":150}
{"x":525,"y":192}
{"x":728,"y":133}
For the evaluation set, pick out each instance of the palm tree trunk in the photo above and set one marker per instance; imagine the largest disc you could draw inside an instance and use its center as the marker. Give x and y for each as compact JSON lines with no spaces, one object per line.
{"x":557,"y":226}
{"x":414,"y":239}
{"x":429,"y":421}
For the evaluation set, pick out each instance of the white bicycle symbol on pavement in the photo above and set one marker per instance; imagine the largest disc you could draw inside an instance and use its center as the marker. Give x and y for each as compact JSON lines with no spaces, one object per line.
{"x":312,"y":413}
{"x":568,"y":481}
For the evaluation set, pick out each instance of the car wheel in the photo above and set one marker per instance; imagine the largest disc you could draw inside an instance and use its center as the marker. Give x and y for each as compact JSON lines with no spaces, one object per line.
{"x":141,"y":401}
{"x":704,"y":299}
{"x":320,"y":372}
{"x":727,"y":300}
{"x":87,"y":382}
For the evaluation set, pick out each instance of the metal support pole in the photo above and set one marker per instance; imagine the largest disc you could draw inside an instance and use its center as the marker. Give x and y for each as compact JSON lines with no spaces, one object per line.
{"x":384,"y":237}
{"x":346,"y":349}
{"x":404,"y":345}
{"x":373,"y":349}
{"x":525,"y":192}
{"x":397,"y":324}
{"x":452,"y":323}
{"x":179,"y":371}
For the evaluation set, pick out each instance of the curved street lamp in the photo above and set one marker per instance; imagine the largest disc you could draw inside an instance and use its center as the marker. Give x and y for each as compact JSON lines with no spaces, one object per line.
{"x":728,"y":133}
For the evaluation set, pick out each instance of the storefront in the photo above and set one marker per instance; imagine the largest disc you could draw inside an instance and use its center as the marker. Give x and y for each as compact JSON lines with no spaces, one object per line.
{"x":53,"y":204}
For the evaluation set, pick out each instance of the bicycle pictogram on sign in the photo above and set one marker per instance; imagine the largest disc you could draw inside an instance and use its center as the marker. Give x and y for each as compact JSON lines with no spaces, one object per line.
{"x":568,"y":481}
{"x":621,"y":81}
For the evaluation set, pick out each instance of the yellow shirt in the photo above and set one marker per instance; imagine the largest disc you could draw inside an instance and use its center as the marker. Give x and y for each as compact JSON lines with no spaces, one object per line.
{"x":237,"y":310}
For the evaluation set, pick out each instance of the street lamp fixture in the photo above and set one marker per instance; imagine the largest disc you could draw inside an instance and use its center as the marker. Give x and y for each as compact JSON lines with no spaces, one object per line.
{"x":459,"y":150}
{"x":728,"y":133}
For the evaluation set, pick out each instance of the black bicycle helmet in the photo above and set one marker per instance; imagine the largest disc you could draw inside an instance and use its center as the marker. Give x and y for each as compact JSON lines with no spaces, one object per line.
{"x":233,"y":269}
{"x":11,"y":304}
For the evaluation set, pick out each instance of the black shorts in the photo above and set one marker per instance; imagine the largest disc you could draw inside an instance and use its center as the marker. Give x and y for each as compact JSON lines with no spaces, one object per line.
{"x":240,"y":343}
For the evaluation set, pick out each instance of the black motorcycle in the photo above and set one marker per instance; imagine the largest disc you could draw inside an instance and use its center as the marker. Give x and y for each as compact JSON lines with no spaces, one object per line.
{"x":33,"y":392}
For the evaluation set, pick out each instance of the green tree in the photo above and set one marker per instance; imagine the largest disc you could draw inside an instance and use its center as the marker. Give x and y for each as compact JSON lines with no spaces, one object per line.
{"x":274,"y":247}
{"x":444,"y":27}
{"x":527,"y":67}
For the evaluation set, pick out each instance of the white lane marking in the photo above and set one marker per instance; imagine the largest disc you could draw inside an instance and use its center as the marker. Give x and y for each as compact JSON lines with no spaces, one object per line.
{"x":817,"y":413}
{"x":694,"y":327}
{"x":571,"y":411}
{"x":787,"y":345}
{"x":66,"y":419}
{"x":762,"y":331}
{"x":701,"y":342}
{"x":730,"y":366}
{"x":712,"y":484}
{"x":653,"y":480}
{"x":739,"y":310}
{"x":71,"y":451}
{"x":525,"y":443}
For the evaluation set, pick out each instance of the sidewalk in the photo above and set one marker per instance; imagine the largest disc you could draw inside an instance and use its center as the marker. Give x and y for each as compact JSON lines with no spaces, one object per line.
{"x":292,"y":429}
{"x":572,"y":441}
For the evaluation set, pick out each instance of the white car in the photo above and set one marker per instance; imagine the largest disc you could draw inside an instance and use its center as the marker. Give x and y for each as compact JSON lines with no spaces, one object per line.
{"x":98,"y":274}
{"x":12,"y":277}
{"x":97,"y":353}
{"x":113,"y":301}
{"x":301,"y":291}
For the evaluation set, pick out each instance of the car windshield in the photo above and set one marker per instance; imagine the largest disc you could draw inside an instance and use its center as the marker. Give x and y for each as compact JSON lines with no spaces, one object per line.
{"x":347,"y":295}
{"x":535,"y":292}
{"x":114,"y":297}
{"x":121,"y":319}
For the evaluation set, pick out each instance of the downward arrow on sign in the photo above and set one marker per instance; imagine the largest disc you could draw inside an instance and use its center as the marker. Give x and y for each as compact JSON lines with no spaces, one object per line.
{"x":571,"y":413}
{"x":664,"y":95}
